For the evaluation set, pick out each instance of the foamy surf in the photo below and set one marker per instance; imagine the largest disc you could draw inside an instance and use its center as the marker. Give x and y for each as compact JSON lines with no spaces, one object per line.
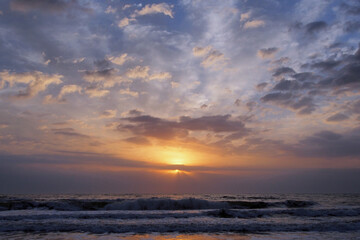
{"x":195,"y":214}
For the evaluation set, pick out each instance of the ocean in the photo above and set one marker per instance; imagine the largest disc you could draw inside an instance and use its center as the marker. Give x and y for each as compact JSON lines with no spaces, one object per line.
{"x":207,"y":216}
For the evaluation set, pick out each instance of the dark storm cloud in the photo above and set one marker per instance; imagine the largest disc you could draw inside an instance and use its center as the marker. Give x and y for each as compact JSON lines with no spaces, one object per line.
{"x":315,"y":27}
{"x":286,"y":85}
{"x":350,"y":74}
{"x":108,"y":72}
{"x":53,"y":6}
{"x":102,"y":64}
{"x":276,"y":97}
{"x":283,"y":71}
{"x":326,"y":65}
{"x":328,"y":144}
{"x":345,"y":72}
{"x":304,"y":76}
{"x":164,"y":129}
{"x":302,"y":105}
{"x":329,"y":76}
{"x":351,"y":9}
{"x":352,"y":26}
{"x":338,"y":117}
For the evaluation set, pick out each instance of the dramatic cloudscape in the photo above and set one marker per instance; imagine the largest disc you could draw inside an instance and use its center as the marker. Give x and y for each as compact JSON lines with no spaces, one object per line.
{"x":179,"y":96}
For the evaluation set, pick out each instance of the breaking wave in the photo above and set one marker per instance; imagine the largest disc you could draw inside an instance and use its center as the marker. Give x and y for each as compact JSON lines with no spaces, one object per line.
{"x":163,"y":214}
{"x":143,"y":204}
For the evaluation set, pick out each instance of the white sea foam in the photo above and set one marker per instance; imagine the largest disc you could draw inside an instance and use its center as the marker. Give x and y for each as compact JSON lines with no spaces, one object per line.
{"x":198,"y":214}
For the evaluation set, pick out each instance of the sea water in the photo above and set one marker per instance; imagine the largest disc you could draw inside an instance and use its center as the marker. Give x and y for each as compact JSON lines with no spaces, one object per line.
{"x":211,"y":216}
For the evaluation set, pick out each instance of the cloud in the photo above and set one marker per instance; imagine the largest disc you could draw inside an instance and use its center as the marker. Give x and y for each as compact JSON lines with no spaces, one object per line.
{"x":267,"y":52}
{"x":214,"y":59}
{"x":261,"y":86}
{"x":69,"y":89}
{"x":304,"y":76}
{"x":126,"y":6}
{"x":287,"y":85}
{"x":133,"y":113}
{"x":201,"y":51}
{"x":107,"y":77}
{"x":108,"y":113}
{"x":110,"y":9}
{"x":68,"y":132}
{"x":95,"y":92}
{"x":245,"y":16}
{"x":339,"y":75}
{"x":237,"y":102}
{"x":326,"y":65}
{"x":204,"y":106}
{"x":36,"y":82}
{"x":138,"y":72}
{"x":329,"y":77}
{"x":154,"y":8}
{"x":350,"y":8}
{"x":127,"y":91}
{"x":148,"y":9}
{"x":315,"y":27}
{"x":211,"y":58}
{"x":328,"y":144}
{"x":148,"y":126}
{"x":303,"y":105}
{"x":120,"y":60}
{"x":174,"y":84}
{"x":3,"y":125}
{"x":276,"y":97}
{"x":338,"y":117}
{"x":138,"y":140}
{"x":355,"y":107}
{"x":254,"y":24}
{"x":352,"y":26}
{"x":51,"y":6}
{"x":160,"y":76}
{"x":125,"y":22}
{"x":283,"y":71}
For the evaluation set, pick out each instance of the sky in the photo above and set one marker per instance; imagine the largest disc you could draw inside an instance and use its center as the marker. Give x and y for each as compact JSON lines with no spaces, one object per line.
{"x":199,"y":96}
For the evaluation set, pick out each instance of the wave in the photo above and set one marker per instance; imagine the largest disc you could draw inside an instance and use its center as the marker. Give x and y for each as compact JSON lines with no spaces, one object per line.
{"x":165,"y":226}
{"x":302,"y":212}
{"x":142,"y":204}
{"x":219,"y":213}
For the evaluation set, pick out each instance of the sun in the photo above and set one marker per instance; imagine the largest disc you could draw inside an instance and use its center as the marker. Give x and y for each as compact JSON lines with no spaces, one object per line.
{"x":176,"y":172}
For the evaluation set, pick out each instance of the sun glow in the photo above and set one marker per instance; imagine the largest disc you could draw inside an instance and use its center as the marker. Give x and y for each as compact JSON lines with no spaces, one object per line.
{"x":176,"y":156}
{"x":178,"y":172}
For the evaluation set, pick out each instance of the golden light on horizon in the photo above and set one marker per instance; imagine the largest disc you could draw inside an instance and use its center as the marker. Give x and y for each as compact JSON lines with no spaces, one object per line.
{"x":177,"y":172}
